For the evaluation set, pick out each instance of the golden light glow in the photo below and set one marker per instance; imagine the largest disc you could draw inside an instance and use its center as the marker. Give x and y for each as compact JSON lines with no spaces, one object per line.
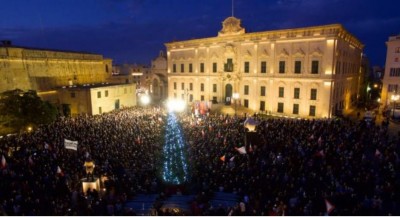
{"x":330,"y":42}
{"x":47,"y":92}
{"x":328,"y":72}
{"x":327,"y":83}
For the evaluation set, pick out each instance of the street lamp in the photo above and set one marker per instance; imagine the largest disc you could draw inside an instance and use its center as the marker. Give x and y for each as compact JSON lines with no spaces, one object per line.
{"x":235,"y":96}
{"x":145,"y":99}
{"x":394,"y":98}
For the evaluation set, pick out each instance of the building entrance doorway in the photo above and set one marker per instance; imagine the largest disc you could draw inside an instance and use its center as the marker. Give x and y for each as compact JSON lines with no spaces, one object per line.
{"x":228,"y":94}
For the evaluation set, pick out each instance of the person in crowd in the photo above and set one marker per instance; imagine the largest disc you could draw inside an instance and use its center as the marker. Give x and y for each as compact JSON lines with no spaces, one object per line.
{"x":286,"y":167}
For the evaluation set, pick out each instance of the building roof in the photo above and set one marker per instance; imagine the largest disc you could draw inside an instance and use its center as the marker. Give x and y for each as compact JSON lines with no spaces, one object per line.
{"x":8,"y":44}
{"x":237,"y":32}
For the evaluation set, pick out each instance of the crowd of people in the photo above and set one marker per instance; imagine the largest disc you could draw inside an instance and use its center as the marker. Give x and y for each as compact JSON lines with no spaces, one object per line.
{"x":297,"y":167}
{"x":285,"y":167}
{"x":39,"y":176}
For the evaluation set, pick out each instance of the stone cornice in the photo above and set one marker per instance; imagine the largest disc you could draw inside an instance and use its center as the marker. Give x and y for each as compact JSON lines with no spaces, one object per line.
{"x":329,"y":31}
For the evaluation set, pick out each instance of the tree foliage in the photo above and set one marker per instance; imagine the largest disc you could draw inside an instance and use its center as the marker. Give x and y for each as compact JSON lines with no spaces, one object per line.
{"x":19,"y":109}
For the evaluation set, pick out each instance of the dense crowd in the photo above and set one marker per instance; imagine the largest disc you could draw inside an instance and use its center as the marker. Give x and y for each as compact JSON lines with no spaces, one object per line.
{"x":297,"y":167}
{"x":292,"y":167}
{"x":42,"y":177}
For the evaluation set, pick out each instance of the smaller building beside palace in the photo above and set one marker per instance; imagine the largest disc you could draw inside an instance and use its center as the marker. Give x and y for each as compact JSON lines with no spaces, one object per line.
{"x":303,"y":72}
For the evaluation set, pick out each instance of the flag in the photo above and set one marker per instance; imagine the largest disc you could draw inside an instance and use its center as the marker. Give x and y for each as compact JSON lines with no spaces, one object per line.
{"x":320,"y":153}
{"x":202,"y":132}
{"x":232,"y":158}
{"x":59,"y":171}
{"x":250,"y":124}
{"x":3,"y":161}
{"x":241,"y":150}
{"x":87,"y":155}
{"x":222,"y":158}
{"x":319,"y":140}
{"x":69,"y":144}
{"x":47,"y":146}
{"x":30,"y":160}
{"x":250,"y":148}
{"x":329,"y":206}
{"x":377,"y":153}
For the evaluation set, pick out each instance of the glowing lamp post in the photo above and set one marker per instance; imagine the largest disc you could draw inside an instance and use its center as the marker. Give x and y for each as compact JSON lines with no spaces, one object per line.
{"x":394,"y":98}
{"x":145,"y":99}
{"x":235,"y":96}
{"x":89,"y":167}
{"x":176,"y":105}
{"x":90,"y":182}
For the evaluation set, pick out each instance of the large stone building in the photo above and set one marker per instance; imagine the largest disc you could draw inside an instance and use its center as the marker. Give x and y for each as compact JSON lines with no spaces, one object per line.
{"x":312,"y":71}
{"x":50,"y":72}
{"x":43,"y":69}
{"x":391,"y":79}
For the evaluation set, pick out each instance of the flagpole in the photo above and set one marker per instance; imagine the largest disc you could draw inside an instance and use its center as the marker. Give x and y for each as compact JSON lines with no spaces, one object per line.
{"x":232,"y":8}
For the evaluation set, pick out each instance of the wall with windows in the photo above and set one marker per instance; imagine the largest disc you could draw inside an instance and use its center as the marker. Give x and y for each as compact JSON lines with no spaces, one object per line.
{"x":97,"y":99}
{"x":255,"y":65}
{"x":391,"y":79}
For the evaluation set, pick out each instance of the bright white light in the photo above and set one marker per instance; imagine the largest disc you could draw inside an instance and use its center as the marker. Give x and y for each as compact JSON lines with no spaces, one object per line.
{"x":176,"y":105}
{"x":145,"y":99}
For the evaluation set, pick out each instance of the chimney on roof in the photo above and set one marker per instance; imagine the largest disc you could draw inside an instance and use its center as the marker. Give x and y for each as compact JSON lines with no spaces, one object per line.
{"x":6,"y":42}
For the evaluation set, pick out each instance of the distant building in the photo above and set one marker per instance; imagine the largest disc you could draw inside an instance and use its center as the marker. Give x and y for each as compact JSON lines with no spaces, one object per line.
{"x":158,"y":87}
{"x":391,"y":78}
{"x":50,"y":71}
{"x":149,"y":80}
{"x":304,"y":72}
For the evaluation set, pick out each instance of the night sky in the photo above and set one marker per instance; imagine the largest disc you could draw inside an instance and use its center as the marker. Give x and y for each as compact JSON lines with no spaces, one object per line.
{"x":134,"y":31}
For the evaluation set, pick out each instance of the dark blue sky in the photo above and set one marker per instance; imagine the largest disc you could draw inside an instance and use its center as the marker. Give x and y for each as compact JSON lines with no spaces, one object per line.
{"x":134,"y":31}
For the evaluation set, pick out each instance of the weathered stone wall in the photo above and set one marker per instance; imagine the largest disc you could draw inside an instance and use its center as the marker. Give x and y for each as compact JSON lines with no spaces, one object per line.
{"x":45,"y":70}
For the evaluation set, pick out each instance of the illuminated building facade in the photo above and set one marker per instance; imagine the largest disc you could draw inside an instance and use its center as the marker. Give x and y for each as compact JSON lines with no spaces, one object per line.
{"x":304,"y":72}
{"x":43,"y":69}
{"x":51,"y":72}
{"x":391,"y":78}
{"x":97,"y":99}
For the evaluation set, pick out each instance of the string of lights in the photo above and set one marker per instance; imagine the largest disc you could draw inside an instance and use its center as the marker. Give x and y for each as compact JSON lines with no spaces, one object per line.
{"x":175,"y":169}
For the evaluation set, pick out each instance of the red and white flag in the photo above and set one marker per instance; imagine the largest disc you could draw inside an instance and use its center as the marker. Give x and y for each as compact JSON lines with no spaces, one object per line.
{"x":329,"y":206}
{"x":320,"y":153}
{"x":377,"y":153}
{"x":203,"y":133}
{"x":250,"y":148}
{"x":59,"y":171}
{"x":30,"y":160}
{"x":241,"y":150}
{"x":222,"y":158}
{"x":3,"y":161}
{"x":232,"y":158}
